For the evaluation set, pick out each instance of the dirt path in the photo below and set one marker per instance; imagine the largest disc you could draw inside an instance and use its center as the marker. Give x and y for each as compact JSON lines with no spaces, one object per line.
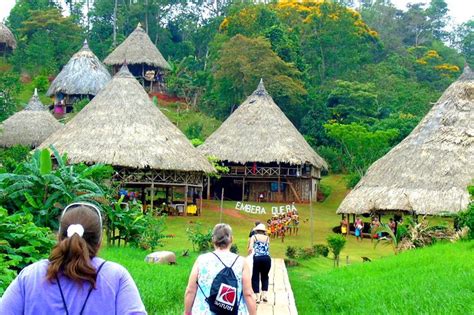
{"x":280,"y":295}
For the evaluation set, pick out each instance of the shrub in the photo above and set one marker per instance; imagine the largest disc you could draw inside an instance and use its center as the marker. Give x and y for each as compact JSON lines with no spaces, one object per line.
{"x":234,"y":249}
{"x":194,"y":130}
{"x":21,"y":243}
{"x":352,"y":179}
{"x":11,"y":157}
{"x":336,"y":243}
{"x":325,"y":190}
{"x":196,"y":142}
{"x":202,"y":241}
{"x":466,"y":218}
{"x":291,"y":252}
{"x":321,"y":249}
{"x":306,"y":253}
{"x":79,"y":105}
{"x":41,"y":82}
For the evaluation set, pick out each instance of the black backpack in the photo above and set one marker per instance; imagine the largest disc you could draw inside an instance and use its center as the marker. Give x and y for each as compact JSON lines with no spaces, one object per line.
{"x":222,"y":298}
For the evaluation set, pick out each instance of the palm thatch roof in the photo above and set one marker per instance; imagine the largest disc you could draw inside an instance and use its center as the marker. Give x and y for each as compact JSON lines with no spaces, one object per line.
{"x":6,"y":36}
{"x":258,"y":131}
{"x":122,"y":127}
{"x":137,"y":48}
{"x":29,"y":127}
{"x":84,"y":74}
{"x":429,"y":171}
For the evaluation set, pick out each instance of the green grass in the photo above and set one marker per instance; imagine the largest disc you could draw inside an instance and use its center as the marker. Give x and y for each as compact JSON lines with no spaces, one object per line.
{"x":434,"y":280}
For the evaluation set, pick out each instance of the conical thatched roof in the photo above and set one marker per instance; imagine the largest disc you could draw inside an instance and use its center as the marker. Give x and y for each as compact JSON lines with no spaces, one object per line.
{"x":258,"y":131}
{"x":137,"y":48}
{"x":83,"y":74}
{"x":429,"y":171}
{"x":28,"y":127}
{"x":6,"y":36}
{"x":122,"y":127}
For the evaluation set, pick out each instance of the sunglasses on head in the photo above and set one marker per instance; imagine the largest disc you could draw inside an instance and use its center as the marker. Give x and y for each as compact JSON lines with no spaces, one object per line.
{"x":88,"y":205}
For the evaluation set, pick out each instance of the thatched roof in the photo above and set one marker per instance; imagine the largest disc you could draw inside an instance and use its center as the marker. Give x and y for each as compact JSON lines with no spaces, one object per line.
{"x":137,"y":48}
{"x":122,"y":127}
{"x":258,"y":131}
{"x":83,"y":74}
{"x":6,"y":36}
{"x":29,"y":127}
{"x":429,"y":171}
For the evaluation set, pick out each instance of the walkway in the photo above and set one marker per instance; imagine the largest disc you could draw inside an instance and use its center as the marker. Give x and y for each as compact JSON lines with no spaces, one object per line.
{"x":280,"y":295}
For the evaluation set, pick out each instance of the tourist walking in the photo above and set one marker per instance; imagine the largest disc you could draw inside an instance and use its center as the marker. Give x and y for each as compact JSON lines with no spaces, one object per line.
{"x":359,"y":227}
{"x":220,"y":279}
{"x":74,"y":280}
{"x":260,"y":246}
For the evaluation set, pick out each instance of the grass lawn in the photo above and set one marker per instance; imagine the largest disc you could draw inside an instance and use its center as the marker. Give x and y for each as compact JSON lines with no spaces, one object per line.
{"x":434,"y":280}
{"x":162,"y":287}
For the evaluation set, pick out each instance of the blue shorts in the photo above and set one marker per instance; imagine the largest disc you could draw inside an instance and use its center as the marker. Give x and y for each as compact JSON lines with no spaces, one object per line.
{"x":357,"y":232}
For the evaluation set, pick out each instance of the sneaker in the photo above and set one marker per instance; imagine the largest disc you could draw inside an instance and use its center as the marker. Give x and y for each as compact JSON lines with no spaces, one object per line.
{"x":257,"y":298}
{"x":264,"y":296}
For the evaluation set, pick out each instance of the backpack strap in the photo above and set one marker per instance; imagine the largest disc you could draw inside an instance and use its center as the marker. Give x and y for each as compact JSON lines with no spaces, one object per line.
{"x":206,"y":297}
{"x":88,"y":293}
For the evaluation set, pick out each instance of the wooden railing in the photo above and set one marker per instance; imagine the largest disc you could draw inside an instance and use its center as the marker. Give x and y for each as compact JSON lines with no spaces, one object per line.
{"x":267,"y":171}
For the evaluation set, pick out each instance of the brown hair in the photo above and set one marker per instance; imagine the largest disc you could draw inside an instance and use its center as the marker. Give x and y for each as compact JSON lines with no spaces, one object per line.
{"x":222,"y":235}
{"x":72,"y":255}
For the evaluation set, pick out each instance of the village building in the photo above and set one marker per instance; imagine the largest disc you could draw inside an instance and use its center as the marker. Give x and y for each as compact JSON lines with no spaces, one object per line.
{"x":429,"y":171}
{"x":28,"y":127}
{"x":268,"y":159}
{"x":81,"y":78}
{"x":7,"y":40}
{"x":122,"y":127}
{"x":143,"y":58}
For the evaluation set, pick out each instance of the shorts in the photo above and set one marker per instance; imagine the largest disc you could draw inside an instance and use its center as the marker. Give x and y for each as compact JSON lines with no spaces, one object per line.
{"x":357,"y":232}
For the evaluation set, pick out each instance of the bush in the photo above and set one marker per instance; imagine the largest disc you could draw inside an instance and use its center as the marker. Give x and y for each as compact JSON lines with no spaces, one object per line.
{"x":79,"y":105}
{"x":321,"y":249}
{"x":291,"y":252}
{"x":21,"y":243}
{"x":202,"y":241}
{"x":152,"y":234}
{"x":234,"y":249}
{"x":352,"y":179}
{"x":306,"y":253}
{"x":325,"y":190}
{"x":11,"y":157}
{"x":41,"y":82}
{"x":194,"y":130}
{"x":466,"y":218}
{"x":336,"y":243}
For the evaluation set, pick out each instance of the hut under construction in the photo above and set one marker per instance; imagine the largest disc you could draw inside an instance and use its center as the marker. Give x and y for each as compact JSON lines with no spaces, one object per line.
{"x":28,"y":127}
{"x":82,"y":77}
{"x":7,"y":40}
{"x":143,"y":58}
{"x":429,"y":171}
{"x":268,"y":159}
{"x":122,"y":127}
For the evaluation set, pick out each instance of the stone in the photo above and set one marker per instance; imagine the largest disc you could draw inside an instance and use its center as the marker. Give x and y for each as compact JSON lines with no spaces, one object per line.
{"x":161,"y":257}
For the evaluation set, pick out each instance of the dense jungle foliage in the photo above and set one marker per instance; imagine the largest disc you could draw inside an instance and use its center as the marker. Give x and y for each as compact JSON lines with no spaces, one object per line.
{"x":355,"y":80}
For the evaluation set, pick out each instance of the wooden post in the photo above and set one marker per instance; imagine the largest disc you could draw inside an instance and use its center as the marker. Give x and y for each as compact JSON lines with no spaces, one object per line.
{"x":279,"y":183}
{"x":152,"y":196}
{"x":222,"y":205}
{"x":311,"y":217}
{"x":208,"y":187}
{"x":200,"y":201}
{"x":243,"y":189}
{"x":185,"y":200}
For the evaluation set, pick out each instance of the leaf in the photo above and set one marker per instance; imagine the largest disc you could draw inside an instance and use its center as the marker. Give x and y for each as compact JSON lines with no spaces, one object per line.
{"x":46,"y":165}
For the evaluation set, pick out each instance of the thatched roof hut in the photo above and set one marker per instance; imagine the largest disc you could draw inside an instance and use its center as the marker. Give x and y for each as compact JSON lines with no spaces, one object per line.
{"x":429,"y":171}
{"x":29,"y":127}
{"x":122,"y":127}
{"x":7,"y":40}
{"x":258,"y":131}
{"x":84,"y":74}
{"x":137,"y":49}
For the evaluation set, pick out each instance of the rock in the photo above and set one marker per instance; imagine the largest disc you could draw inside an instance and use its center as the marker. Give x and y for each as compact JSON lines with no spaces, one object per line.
{"x":161,"y":257}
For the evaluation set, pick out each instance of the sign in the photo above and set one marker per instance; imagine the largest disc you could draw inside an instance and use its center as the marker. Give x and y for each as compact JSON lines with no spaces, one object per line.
{"x":256,"y":209}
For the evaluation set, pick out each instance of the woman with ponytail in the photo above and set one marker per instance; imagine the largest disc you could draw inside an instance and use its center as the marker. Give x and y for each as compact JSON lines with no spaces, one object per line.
{"x":74,"y":280}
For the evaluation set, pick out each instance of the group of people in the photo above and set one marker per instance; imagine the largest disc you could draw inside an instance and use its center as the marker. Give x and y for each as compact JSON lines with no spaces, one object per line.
{"x":74,"y":280}
{"x":359,"y":227}
{"x":278,"y":226}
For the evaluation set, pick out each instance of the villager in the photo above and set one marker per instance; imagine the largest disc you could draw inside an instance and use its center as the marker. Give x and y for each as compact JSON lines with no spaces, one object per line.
{"x":344,"y":226}
{"x":74,"y":280}
{"x":208,"y":269}
{"x":393,"y":226}
{"x":374,"y":226}
{"x":359,"y":226}
{"x":260,"y":246}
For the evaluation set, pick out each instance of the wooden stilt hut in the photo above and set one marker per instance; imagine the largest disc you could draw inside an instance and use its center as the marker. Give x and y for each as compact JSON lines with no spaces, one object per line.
{"x":429,"y":171}
{"x":29,"y":127}
{"x":144,"y":60}
{"x":121,"y":127}
{"x":82,"y":77}
{"x":7,"y":40}
{"x":269,"y":160}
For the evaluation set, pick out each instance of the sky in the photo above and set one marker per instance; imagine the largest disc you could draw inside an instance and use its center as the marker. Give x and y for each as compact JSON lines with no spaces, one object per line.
{"x":460,"y":10}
